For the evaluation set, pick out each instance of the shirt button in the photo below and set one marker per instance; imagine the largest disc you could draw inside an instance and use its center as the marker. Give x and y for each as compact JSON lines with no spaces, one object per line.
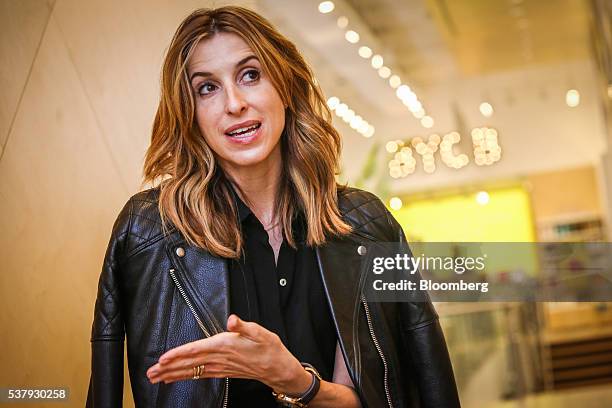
{"x":180,"y":252}
{"x":361,"y":250}
{"x":283,"y":282}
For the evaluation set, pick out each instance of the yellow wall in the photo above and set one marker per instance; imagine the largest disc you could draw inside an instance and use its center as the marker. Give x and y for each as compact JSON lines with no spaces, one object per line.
{"x":460,"y":218}
{"x":507,"y":217}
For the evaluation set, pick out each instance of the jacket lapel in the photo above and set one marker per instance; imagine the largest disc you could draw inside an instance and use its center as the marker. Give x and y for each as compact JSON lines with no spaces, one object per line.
{"x":205,"y":280}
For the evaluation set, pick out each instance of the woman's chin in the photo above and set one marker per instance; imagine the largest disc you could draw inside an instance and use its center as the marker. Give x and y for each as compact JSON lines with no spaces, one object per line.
{"x":246,"y":160}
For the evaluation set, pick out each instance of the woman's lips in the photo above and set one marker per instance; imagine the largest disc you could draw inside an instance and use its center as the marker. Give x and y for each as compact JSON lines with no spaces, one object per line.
{"x":245,"y":138}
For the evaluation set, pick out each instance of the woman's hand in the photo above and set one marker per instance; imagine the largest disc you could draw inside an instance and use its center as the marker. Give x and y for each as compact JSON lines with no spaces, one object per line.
{"x":246,"y":350}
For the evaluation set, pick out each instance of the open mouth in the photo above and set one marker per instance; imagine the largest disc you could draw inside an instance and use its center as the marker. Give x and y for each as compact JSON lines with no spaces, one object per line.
{"x":245,"y":131}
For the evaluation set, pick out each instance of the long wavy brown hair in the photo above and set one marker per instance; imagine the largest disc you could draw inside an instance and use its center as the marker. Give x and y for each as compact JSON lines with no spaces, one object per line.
{"x":195,"y":195}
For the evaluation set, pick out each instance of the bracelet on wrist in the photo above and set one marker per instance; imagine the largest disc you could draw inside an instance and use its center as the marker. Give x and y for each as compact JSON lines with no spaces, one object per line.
{"x":301,"y":401}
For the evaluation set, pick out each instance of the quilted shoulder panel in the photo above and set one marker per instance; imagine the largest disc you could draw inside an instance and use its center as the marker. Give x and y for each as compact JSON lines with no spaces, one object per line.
{"x":366,"y":213}
{"x":139,"y":221}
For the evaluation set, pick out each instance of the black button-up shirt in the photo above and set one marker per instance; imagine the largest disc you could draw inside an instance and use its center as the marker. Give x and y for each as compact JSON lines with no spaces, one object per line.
{"x":286,"y":298}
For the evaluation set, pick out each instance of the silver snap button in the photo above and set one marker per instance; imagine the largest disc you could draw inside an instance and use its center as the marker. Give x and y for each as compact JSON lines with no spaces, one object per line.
{"x":361,"y":250}
{"x":283,"y":282}
{"x":180,"y":252}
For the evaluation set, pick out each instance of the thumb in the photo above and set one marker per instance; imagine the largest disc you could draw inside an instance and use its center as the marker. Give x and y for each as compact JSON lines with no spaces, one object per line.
{"x":246,"y":329}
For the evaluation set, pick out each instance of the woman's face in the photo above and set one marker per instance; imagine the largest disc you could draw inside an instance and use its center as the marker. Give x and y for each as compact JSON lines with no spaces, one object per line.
{"x":239,"y":112}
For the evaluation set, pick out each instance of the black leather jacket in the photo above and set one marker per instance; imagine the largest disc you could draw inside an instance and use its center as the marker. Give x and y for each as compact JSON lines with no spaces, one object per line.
{"x":161,"y":292}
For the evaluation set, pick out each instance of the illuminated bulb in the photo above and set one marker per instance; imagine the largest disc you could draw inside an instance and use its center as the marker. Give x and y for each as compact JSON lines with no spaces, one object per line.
{"x":572,"y":98}
{"x":363,"y":127}
{"x":348,"y":115}
{"x":404,"y":92}
{"x":341,"y":109}
{"x":391,"y":147}
{"x":482,"y":198}
{"x":365,"y":52}
{"x":326,"y":7}
{"x":356,"y":122}
{"x":395,"y":81}
{"x":421,"y":148}
{"x":342,"y":22}
{"x":414,"y":106}
{"x":352,"y":36}
{"x":333,"y":102}
{"x":486,"y":109}
{"x":403,"y":157}
{"x":419,"y":114}
{"x":395,"y":203}
{"x":384,"y":72}
{"x":369,"y":132}
{"x":395,"y":172}
{"x":427,"y":122}
{"x":377,"y":61}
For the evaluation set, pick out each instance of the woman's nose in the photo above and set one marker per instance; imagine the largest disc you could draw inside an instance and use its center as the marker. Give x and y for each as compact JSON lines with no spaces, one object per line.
{"x":235,"y":102}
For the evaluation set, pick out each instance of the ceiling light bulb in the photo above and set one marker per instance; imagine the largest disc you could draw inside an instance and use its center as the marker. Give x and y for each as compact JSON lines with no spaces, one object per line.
{"x":333,"y":102}
{"x":377,"y":61}
{"x":486,"y":109}
{"x":365,"y":52}
{"x":395,"y":81}
{"x":326,"y":7}
{"x":391,"y":147}
{"x":342,"y":22}
{"x":341,"y":109}
{"x":352,"y":36}
{"x":404,"y":92}
{"x":395,"y":203}
{"x":572,"y":98}
{"x":482,"y":198}
{"x":427,"y":122}
{"x":419,"y":114}
{"x":384,"y":72}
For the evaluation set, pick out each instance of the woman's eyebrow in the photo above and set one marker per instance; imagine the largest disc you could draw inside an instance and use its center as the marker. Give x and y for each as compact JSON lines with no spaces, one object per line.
{"x":239,"y":64}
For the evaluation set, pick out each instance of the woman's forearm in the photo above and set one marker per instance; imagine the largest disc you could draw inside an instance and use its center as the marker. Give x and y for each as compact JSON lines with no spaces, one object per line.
{"x":335,"y":395}
{"x":330,"y":394}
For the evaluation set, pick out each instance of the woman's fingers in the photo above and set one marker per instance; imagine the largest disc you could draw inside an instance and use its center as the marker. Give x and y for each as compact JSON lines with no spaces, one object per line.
{"x":199,"y":348}
{"x":208,"y":371}
{"x":246,"y":329}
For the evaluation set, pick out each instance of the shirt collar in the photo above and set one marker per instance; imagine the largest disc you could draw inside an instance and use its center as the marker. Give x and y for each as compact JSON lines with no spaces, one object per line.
{"x":243,"y":210}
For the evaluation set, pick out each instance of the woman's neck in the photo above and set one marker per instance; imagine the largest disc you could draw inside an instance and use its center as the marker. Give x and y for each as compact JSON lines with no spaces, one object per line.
{"x":258,"y":187}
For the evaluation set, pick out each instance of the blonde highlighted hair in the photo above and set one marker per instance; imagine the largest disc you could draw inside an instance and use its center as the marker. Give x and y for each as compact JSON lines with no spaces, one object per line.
{"x":195,"y":195}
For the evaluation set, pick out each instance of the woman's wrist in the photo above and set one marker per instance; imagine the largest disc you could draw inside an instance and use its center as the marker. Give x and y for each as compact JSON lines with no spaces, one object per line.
{"x":295,"y":381}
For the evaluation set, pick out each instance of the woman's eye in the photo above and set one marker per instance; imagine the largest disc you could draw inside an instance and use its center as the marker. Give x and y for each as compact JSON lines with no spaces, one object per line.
{"x":206,"y":89}
{"x":251,"y":75}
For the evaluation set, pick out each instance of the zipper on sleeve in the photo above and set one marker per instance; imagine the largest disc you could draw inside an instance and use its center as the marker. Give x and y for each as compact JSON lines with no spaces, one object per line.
{"x":378,"y":349}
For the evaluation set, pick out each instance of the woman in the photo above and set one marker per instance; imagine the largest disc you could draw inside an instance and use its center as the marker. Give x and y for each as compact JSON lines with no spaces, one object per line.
{"x":232,"y":280}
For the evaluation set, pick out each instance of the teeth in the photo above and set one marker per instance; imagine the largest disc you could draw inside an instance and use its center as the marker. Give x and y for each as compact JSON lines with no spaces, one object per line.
{"x":244,"y":129}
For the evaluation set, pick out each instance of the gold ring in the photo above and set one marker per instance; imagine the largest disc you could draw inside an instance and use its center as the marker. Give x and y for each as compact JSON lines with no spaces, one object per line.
{"x":197,"y":372}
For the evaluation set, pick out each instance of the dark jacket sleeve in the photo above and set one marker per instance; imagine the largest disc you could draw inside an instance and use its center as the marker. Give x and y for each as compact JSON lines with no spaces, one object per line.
{"x":426,"y":350}
{"x":107,"y":334}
